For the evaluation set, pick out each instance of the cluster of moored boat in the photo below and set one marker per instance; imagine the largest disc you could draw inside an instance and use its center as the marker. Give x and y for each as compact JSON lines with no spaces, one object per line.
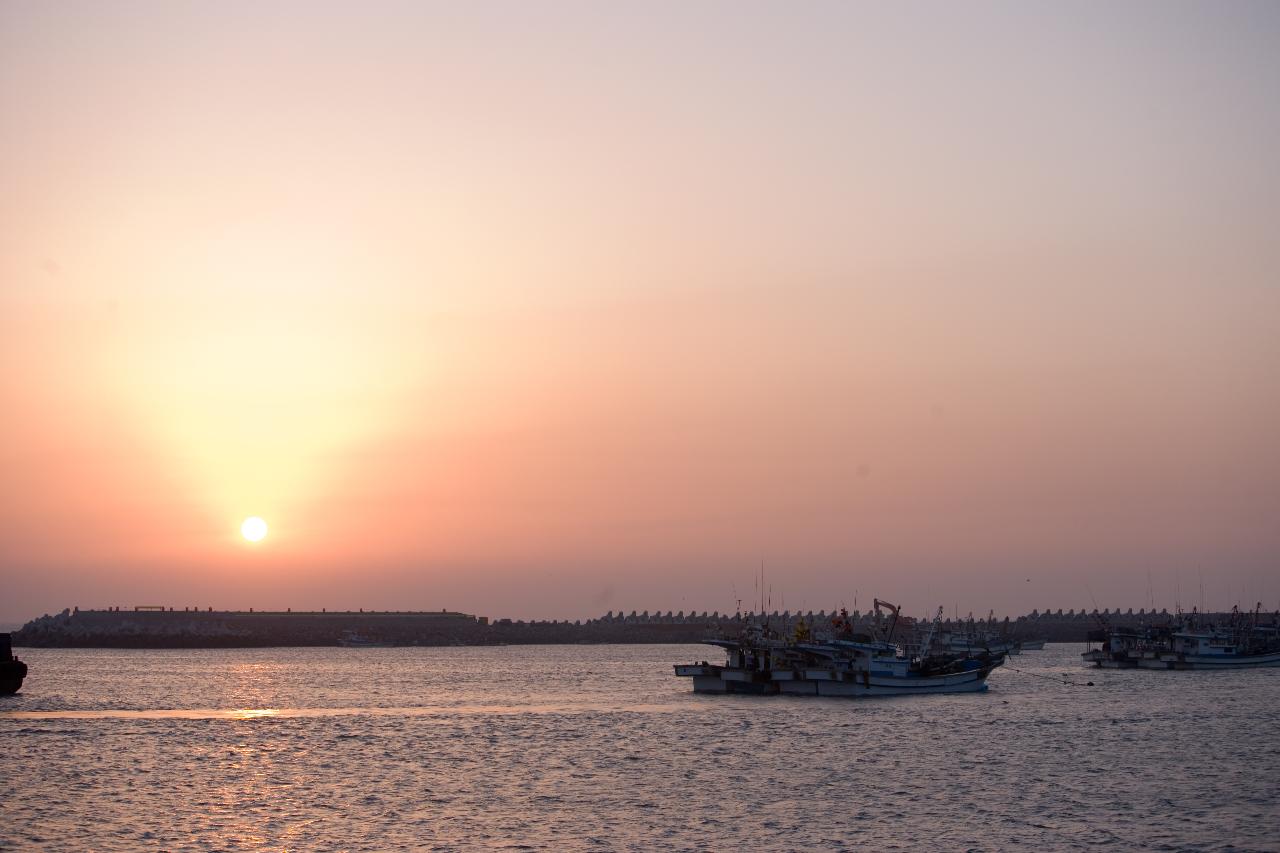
{"x":1189,"y":642}
{"x":837,"y":660}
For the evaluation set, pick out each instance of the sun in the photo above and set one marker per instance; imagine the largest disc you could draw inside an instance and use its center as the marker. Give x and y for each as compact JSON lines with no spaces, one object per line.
{"x":253,"y":528}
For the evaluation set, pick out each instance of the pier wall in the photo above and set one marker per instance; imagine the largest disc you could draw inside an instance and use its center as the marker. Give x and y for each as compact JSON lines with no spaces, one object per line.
{"x":192,"y":628}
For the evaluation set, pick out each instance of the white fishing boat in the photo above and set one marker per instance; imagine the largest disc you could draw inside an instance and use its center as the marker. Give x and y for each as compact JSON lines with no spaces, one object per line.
{"x":975,"y":637}
{"x":848,"y":665}
{"x":1212,"y":650}
{"x":354,"y":639}
{"x":978,"y":643}
{"x":838,"y":668}
{"x":1243,"y":642}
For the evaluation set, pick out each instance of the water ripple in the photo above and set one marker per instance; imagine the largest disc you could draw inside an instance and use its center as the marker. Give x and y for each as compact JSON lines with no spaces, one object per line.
{"x":601,"y":748}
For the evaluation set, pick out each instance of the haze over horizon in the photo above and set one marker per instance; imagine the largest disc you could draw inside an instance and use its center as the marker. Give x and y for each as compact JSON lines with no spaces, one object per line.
{"x":544,"y":310}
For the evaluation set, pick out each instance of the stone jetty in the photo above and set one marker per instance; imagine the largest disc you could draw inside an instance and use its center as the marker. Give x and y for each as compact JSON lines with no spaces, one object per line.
{"x":190,"y":627}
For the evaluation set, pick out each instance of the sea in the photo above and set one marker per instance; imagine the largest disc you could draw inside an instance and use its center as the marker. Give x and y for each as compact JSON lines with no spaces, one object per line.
{"x":603,"y":748}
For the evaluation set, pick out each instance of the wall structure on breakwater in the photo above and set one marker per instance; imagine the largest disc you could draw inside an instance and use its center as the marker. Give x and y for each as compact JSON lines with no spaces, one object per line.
{"x":157,"y":627}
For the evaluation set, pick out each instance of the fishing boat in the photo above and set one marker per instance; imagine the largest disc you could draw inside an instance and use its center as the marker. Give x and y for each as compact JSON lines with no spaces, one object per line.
{"x":979,"y":637}
{"x":357,"y":640}
{"x":12,"y":670}
{"x":1215,"y":649}
{"x":1188,"y":643}
{"x":979,"y":643}
{"x":847,"y":664}
{"x":1121,"y":648}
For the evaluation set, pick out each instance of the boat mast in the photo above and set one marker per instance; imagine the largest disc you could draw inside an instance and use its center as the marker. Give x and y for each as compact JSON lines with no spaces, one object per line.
{"x":928,"y":637}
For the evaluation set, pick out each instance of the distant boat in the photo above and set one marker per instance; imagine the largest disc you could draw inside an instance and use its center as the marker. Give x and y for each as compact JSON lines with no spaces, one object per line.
{"x":12,"y":670}
{"x":974,"y":637}
{"x":1215,"y":649}
{"x":1031,"y":645}
{"x":980,"y":642}
{"x":1186,"y":644}
{"x":351,"y":638}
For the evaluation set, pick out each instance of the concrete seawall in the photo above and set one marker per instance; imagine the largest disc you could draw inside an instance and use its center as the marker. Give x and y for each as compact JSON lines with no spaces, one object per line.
{"x":191,"y":628}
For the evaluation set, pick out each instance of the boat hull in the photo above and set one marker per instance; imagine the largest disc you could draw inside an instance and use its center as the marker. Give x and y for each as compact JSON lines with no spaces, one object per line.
{"x":829,"y":682}
{"x":1118,"y":664}
{"x":1177,"y":661}
{"x":974,"y":649}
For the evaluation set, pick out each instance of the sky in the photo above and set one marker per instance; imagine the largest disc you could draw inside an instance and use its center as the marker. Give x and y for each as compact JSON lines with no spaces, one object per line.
{"x":543,"y":310}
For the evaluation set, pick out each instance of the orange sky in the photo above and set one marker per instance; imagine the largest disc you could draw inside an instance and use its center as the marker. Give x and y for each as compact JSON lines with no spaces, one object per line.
{"x":542,"y":310}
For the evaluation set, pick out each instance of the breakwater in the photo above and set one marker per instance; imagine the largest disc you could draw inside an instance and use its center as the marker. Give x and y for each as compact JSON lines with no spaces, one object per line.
{"x":169,"y":627}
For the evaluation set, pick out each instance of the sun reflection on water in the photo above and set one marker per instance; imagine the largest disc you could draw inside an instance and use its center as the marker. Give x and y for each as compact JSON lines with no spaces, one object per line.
{"x":253,"y":713}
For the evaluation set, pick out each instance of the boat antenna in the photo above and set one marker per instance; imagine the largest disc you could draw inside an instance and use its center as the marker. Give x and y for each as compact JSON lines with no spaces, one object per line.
{"x":933,"y":629}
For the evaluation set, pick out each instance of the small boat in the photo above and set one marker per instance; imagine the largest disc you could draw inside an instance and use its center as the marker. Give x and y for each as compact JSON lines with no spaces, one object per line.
{"x":353,"y":639}
{"x":845,"y":665}
{"x":1031,"y":645}
{"x":12,"y":670}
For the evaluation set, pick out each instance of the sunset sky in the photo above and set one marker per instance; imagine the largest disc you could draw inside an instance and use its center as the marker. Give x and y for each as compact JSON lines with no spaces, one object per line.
{"x":547,"y":309}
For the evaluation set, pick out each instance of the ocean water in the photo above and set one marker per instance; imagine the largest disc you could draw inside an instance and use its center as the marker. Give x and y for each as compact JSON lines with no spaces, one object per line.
{"x":601,"y":747}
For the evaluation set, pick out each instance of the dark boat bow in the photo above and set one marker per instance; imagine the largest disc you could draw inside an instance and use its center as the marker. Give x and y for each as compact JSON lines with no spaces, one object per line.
{"x":12,"y":670}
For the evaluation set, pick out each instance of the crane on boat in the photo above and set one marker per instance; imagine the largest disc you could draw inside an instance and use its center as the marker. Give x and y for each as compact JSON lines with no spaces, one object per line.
{"x":892,"y":608}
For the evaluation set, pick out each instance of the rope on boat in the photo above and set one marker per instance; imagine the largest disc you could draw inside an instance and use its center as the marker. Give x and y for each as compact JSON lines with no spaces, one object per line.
{"x":1064,"y":679}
